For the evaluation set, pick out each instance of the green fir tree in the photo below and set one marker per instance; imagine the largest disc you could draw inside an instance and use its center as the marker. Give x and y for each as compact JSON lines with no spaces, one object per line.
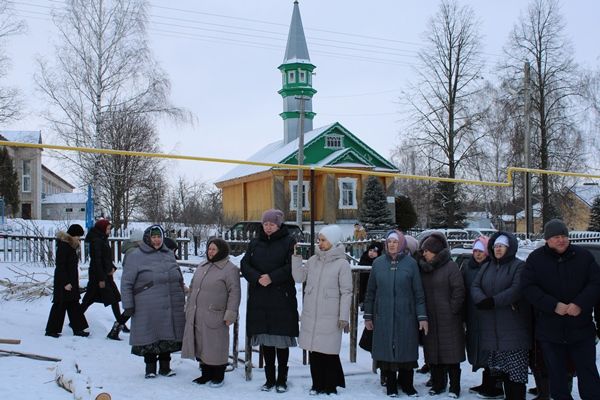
{"x":447,"y":206}
{"x":406,"y":216}
{"x":374,"y":209}
{"x":9,"y":183}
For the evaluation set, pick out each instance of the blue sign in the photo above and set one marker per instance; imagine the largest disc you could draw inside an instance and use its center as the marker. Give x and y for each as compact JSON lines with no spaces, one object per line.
{"x":89,"y":209}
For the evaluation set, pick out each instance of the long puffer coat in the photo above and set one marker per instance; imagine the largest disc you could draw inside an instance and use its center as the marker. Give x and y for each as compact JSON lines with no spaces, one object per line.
{"x":66,"y":271}
{"x":152,"y":285}
{"x":395,"y":302}
{"x":477,"y":356}
{"x":327,"y":299}
{"x":507,"y":326}
{"x":271,"y":309}
{"x":444,"y":295}
{"x":213,"y":299}
{"x":101,"y":269}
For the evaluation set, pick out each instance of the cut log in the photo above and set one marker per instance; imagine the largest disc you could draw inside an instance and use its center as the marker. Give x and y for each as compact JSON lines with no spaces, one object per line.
{"x":5,"y":353}
{"x":70,"y":378}
{"x":10,"y":341}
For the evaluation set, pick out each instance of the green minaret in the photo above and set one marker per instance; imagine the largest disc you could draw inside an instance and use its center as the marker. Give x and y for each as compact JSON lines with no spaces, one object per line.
{"x":296,"y":72}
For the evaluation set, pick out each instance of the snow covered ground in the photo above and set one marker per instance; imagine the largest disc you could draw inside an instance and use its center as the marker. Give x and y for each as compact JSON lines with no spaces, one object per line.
{"x":109,"y":364}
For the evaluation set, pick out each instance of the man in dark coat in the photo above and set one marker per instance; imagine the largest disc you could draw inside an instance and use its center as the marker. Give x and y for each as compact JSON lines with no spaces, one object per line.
{"x":562,"y":282}
{"x":66,"y":285}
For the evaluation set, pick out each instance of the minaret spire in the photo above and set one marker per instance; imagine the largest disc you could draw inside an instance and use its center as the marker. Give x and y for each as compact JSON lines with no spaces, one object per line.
{"x":296,"y":73}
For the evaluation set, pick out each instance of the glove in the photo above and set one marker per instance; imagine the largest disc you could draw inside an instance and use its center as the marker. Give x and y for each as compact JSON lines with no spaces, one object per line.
{"x":486,"y":304}
{"x":343,"y":325}
{"x":128,"y":312}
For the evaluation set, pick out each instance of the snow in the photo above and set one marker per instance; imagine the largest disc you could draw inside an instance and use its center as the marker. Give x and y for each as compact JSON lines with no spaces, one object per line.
{"x":109,"y":365}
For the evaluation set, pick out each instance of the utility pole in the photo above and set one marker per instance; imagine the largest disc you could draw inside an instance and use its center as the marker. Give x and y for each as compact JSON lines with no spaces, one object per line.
{"x":299,"y":190}
{"x":528,"y":208}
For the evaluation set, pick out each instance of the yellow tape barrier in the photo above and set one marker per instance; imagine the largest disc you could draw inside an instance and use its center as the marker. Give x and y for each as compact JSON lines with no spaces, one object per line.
{"x":508,"y":183}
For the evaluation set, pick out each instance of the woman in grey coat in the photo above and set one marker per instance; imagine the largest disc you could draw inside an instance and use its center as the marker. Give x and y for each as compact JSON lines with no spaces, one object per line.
{"x":325,"y":309}
{"x":444,"y":345}
{"x":505,"y":317}
{"x":152,"y":292}
{"x":212,"y":306}
{"x":395,"y":312}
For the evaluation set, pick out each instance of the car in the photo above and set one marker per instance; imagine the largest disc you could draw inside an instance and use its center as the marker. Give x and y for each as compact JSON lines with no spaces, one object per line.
{"x":246,"y":230}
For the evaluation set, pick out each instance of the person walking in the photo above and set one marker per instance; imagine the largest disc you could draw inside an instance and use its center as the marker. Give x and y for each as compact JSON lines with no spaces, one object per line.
{"x":325,"y":308}
{"x":101,"y":287}
{"x":153,"y":295}
{"x":444,"y":345}
{"x":271,"y":308}
{"x":65,"y":297}
{"x":504,"y":314}
{"x":395,"y":312}
{"x":562,"y":282}
{"x":212,"y":306}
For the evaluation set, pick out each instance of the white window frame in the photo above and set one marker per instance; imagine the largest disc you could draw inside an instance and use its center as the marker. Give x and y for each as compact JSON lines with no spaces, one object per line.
{"x":305,"y":189}
{"x":301,"y":76}
{"x":26,"y":176}
{"x":338,"y":138}
{"x":341,"y":203}
{"x":291,"y":76}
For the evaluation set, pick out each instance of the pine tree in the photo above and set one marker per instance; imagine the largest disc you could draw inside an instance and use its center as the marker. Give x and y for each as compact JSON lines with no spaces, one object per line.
{"x":374,"y":210}
{"x":9,"y":182}
{"x":595,"y":216}
{"x":406,"y":216}
{"x":447,"y":206}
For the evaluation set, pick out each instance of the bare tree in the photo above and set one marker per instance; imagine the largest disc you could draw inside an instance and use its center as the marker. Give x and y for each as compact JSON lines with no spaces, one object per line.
{"x":449,"y":76}
{"x":556,"y":142}
{"x":10,"y":100}
{"x":103,"y":69}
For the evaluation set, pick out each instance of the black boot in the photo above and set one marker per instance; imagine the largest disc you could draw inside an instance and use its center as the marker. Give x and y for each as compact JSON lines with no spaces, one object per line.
{"x":438,"y":379}
{"x":391,"y":383}
{"x":543,"y":386}
{"x":454,"y":375}
{"x":514,"y":390}
{"x":270,"y":376}
{"x":406,"y":381}
{"x":485,"y":377}
{"x":281,"y":384}
{"x":150,"y":360}
{"x":164,"y":361}
{"x":218,"y":376}
{"x":492,"y":386}
{"x":114,"y":332}
{"x":206,"y":375}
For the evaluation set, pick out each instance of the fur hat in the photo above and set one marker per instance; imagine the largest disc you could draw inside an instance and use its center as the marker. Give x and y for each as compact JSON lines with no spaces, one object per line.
{"x":333,"y":233}
{"x":412,"y":244}
{"x":433,"y":244}
{"x":555,"y":227}
{"x":273,"y":215}
{"x":101,"y":224}
{"x":75,"y":230}
{"x":481,"y":244}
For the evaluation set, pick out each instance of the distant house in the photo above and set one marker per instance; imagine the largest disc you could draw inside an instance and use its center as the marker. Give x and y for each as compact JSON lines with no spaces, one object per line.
{"x":248,"y":190}
{"x":35,"y":179}
{"x":64,"y":206}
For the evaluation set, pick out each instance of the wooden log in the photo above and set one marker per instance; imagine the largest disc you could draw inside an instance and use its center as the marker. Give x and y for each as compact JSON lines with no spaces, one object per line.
{"x":10,"y":341}
{"x":70,"y":378}
{"x":28,"y":355}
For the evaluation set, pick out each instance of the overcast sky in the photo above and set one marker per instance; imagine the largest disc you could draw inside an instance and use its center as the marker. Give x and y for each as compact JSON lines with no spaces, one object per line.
{"x":222,"y":58}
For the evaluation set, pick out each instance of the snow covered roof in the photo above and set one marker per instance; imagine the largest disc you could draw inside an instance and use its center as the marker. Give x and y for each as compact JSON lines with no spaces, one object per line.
{"x":587,"y":193}
{"x":537,"y":211}
{"x":296,"y":50}
{"x":273,"y":153}
{"x":65,"y":198}
{"x":22,"y":136}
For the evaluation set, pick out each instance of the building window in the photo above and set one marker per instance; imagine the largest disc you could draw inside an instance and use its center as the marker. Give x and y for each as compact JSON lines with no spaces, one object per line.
{"x":291,"y":77}
{"x":26,"y":180}
{"x":294,"y":196}
{"x":347,"y":187}
{"x":82,"y":209}
{"x":333,"y":142}
{"x":68,"y":209}
{"x":301,"y":76}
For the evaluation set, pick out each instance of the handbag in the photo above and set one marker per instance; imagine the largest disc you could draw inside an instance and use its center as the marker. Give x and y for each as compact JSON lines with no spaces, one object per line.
{"x":366,"y":340}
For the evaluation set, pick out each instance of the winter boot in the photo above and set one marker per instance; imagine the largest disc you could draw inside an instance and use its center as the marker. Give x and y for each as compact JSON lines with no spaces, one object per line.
{"x":485,"y":382}
{"x":114,"y":332}
{"x":405,"y":381}
{"x":218,"y":376}
{"x":281,"y":384}
{"x":164,"y":361}
{"x":207,"y":375}
{"x":454,"y":375}
{"x":270,"y":376}
{"x":150,"y":360}
{"x":125,"y":329}
{"x":542,"y":385}
{"x":438,"y":379}
{"x":514,"y":390}
{"x":492,"y":387}
{"x":391,"y":383}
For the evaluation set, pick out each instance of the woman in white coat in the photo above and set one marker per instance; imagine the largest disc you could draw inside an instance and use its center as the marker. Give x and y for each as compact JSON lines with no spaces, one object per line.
{"x":325,"y":309}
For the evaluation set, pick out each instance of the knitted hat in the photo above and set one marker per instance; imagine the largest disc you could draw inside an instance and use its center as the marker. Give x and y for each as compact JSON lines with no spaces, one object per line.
{"x":501,"y":240}
{"x":75,"y":230}
{"x":101,"y":225}
{"x":155,"y":231}
{"x":273,"y":215}
{"x":555,"y":227}
{"x":433,"y":244}
{"x":481,"y":244}
{"x":332,"y":233}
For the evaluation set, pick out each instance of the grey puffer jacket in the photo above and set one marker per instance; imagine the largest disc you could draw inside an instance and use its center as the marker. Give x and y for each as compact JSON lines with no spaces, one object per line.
{"x":152,"y":284}
{"x":507,"y":326}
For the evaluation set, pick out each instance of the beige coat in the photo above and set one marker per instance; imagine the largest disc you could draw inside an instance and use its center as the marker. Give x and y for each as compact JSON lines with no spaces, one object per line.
{"x":214,"y":298}
{"x":327,"y":299}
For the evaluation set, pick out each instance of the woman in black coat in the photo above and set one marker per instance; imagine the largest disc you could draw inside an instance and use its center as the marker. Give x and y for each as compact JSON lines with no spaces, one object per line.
{"x":272,"y":308}
{"x":66,"y":285}
{"x":373,"y":251}
{"x":101,"y":287}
